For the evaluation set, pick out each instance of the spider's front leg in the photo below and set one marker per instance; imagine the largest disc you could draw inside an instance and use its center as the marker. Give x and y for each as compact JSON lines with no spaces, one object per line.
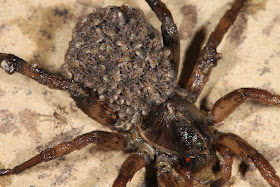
{"x":240,"y":147}
{"x":84,"y":98}
{"x":209,"y":56}
{"x":227,"y":167}
{"x":104,"y":140}
{"x":224,"y":107}
{"x":227,"y":104}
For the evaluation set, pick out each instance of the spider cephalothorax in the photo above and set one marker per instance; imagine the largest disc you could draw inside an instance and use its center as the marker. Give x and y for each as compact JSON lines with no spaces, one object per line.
{"x":121,"y":73}
{"x":186,"y":128}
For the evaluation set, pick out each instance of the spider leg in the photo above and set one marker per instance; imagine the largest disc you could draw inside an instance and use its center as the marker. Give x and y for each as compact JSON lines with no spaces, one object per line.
{"x":102,"y":139}
{"x":169,"y":31}
{"x":96,"y":110}
{"x":86,"y":101}
{"x":240,"y":147}
{"x":209,"y":56}
{"x":164,"y":173}
{"x":134,"y":163}
{"x":11,"y":64}
{"x":184,"y":172}
{"x":130,"y":166}
{"x":227,"y":104}
{"x":227,"y":156}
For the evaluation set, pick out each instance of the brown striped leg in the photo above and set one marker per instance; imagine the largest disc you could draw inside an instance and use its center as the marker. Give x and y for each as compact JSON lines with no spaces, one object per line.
{"x":164,"y":172}
{"x":240,"y":147}
{"x":100,"y":138}
{"x":169,"y":31}
{"x":227,"y":104}
{"x":184,"y":172}
{"x":226,"y":172}
{"x":209,"y":57}
{"x":85,"y":100}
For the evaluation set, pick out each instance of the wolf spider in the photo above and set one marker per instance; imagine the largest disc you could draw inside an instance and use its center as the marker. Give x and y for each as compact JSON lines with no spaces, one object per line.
{"x":173,"y":132}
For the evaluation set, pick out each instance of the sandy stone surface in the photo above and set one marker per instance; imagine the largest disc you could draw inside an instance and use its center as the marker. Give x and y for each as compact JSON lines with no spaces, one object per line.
{"x":39,"y":31}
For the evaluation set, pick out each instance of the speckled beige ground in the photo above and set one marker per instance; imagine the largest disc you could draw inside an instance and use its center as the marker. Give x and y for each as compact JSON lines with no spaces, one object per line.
{"x":39,"y":31}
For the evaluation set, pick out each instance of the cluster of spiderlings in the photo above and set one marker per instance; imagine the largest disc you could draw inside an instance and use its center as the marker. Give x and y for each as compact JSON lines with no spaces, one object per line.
{"x":118,"y":54}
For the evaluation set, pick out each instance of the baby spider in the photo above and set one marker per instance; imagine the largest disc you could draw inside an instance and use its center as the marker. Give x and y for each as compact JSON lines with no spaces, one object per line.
{"x":58,"y":119}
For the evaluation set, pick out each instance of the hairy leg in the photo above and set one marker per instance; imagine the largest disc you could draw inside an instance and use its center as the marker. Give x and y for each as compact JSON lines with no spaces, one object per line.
{"x":227,"y":104}
{"x":240,"y":147}
{"x":105,"y":140}
{"x":209,"y":56}
{"x":169,"y":31}
{"x":227,"y":167}
{"x":11,"y":63}
{"x":133,"y":164}
{"x":85,"y":100}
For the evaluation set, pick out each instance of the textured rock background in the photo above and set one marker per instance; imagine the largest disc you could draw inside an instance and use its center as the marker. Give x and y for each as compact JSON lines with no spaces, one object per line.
{"x":39,"y":31}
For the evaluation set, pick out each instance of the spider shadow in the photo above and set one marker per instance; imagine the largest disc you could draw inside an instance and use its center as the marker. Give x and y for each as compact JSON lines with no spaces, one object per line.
{"x":191,"y":56}
{"x":150,"y":175}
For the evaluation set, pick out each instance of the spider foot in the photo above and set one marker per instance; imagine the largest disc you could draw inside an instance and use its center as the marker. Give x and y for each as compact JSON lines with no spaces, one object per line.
{"x":7,"y":62}
{"x":10,"y":63}
{"x":3,"y":62}
{"x":209,"y":59}
{"x":4,"y":172}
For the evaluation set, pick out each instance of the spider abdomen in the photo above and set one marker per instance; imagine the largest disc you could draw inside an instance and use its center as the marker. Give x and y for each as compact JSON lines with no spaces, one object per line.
{"x":119,"y":55}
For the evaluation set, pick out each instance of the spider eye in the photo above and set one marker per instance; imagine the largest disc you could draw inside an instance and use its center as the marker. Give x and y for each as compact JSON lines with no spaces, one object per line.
{"x":199,"y":144}
{"x":189,"y":136}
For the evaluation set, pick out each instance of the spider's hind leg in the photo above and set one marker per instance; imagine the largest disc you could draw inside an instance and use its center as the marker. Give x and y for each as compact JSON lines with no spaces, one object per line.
{"x":209,"y":56}
{"x":169,"y":31}
{"x":105,"y":140}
